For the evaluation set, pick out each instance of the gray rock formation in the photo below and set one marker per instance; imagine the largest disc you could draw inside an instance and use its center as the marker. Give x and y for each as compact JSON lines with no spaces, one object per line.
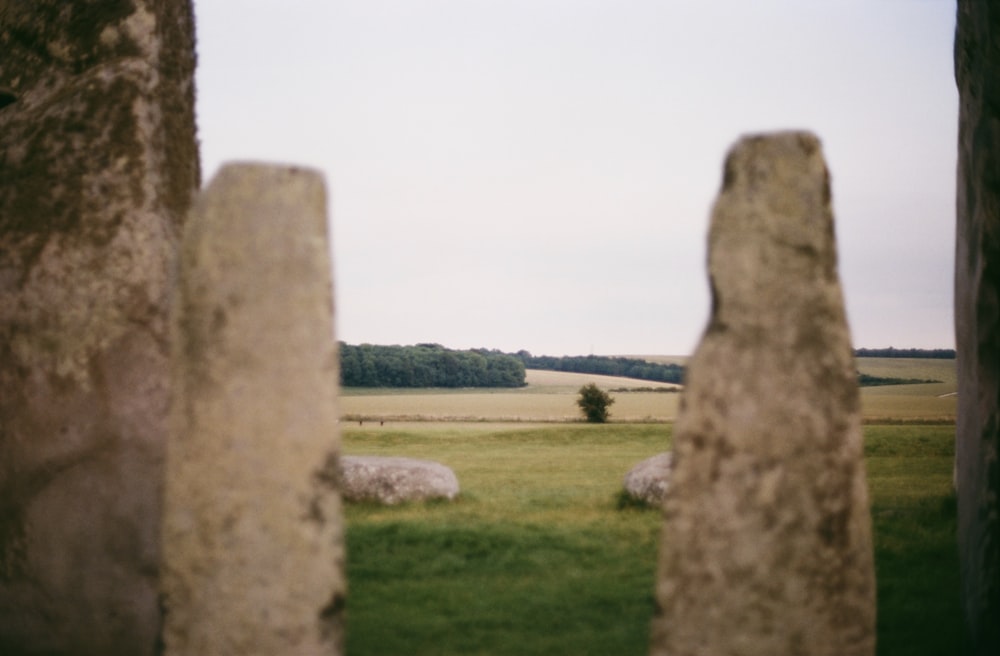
{"x":98,"y":163}
{"x":977,"y":318}
{"x":766,"y":547}
{"x":253,"y":552}
{"x":649,"y":479}
{"x":390,"y":481}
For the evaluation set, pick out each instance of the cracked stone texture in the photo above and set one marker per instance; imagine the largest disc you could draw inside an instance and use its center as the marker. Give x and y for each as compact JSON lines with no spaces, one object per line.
{"x":766,"y":547}
{"x":977,"y":318}
{"x":253,"y":552}
{"x":98,"y":164}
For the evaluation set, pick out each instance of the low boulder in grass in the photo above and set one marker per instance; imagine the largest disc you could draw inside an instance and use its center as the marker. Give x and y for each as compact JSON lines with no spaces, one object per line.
{"x":648,"y":480}
{"x":391,"y":480}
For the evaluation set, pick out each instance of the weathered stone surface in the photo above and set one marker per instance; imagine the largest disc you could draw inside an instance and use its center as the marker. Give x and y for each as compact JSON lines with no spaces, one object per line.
{"x":648,"y":480}
{"x":977,"y":318}
{"x":389,"y":481}
{"x":252,"y":534}
{"x":766,"y":547}
{"x":98,"y":163}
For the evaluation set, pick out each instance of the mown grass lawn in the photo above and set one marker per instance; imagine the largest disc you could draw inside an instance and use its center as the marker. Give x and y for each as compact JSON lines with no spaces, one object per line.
{"x":536,"y":557}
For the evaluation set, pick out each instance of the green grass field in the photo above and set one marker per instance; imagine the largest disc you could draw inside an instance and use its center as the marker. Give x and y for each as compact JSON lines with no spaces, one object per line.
{"x":535,"y":557}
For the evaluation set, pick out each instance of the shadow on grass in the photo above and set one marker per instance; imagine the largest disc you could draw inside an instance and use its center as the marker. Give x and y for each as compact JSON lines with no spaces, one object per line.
{"x":425,"y":588}
{"x":625,"y":501}
{"x":916,"y":562}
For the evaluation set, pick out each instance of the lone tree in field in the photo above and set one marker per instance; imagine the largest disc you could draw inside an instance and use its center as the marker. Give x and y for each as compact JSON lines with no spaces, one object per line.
{"x":594,"y":403}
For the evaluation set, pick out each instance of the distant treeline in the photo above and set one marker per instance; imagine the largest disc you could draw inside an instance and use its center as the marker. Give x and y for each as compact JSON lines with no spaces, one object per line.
{"x":938,"y":354}
{"x":432,"y":365}
{"x":427,"y":365}
{"x":605,"y":366}
{"x":866,"y":380}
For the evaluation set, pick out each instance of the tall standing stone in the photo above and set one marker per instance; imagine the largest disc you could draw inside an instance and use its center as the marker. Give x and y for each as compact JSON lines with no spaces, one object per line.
{"x":977,"y":318}
{"x":766,"y":547}
{"x":98,"y":164}
{"x":252,"y":531}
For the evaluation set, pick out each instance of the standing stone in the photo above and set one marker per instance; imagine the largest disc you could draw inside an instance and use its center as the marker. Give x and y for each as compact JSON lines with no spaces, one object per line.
{"x":252,"y":532}
{"x":977,"y":319}
{"x":766,"y":547}
{"x":98,"y":164}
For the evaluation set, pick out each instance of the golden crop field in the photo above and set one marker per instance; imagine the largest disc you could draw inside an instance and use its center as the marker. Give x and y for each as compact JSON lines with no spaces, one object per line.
{"x":927,"y":402}
{"x":922,"y":368}
{"x":564,"y":381}
{"x":550,"y":396}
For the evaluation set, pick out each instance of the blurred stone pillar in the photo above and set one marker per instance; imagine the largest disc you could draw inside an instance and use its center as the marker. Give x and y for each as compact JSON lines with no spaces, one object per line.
{"x":977,"y":318}
{"x":766,"y":547}
{"x":253,"y":553}
{"x":98,"y":164}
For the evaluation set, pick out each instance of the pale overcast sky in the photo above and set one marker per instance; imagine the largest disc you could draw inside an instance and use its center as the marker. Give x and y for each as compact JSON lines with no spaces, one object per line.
{"x":538,"y":174}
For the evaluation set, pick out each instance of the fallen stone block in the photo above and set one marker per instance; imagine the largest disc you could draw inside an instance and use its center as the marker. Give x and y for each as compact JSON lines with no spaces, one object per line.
{"x":649,"y":479}
{"x":389,"y":480}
